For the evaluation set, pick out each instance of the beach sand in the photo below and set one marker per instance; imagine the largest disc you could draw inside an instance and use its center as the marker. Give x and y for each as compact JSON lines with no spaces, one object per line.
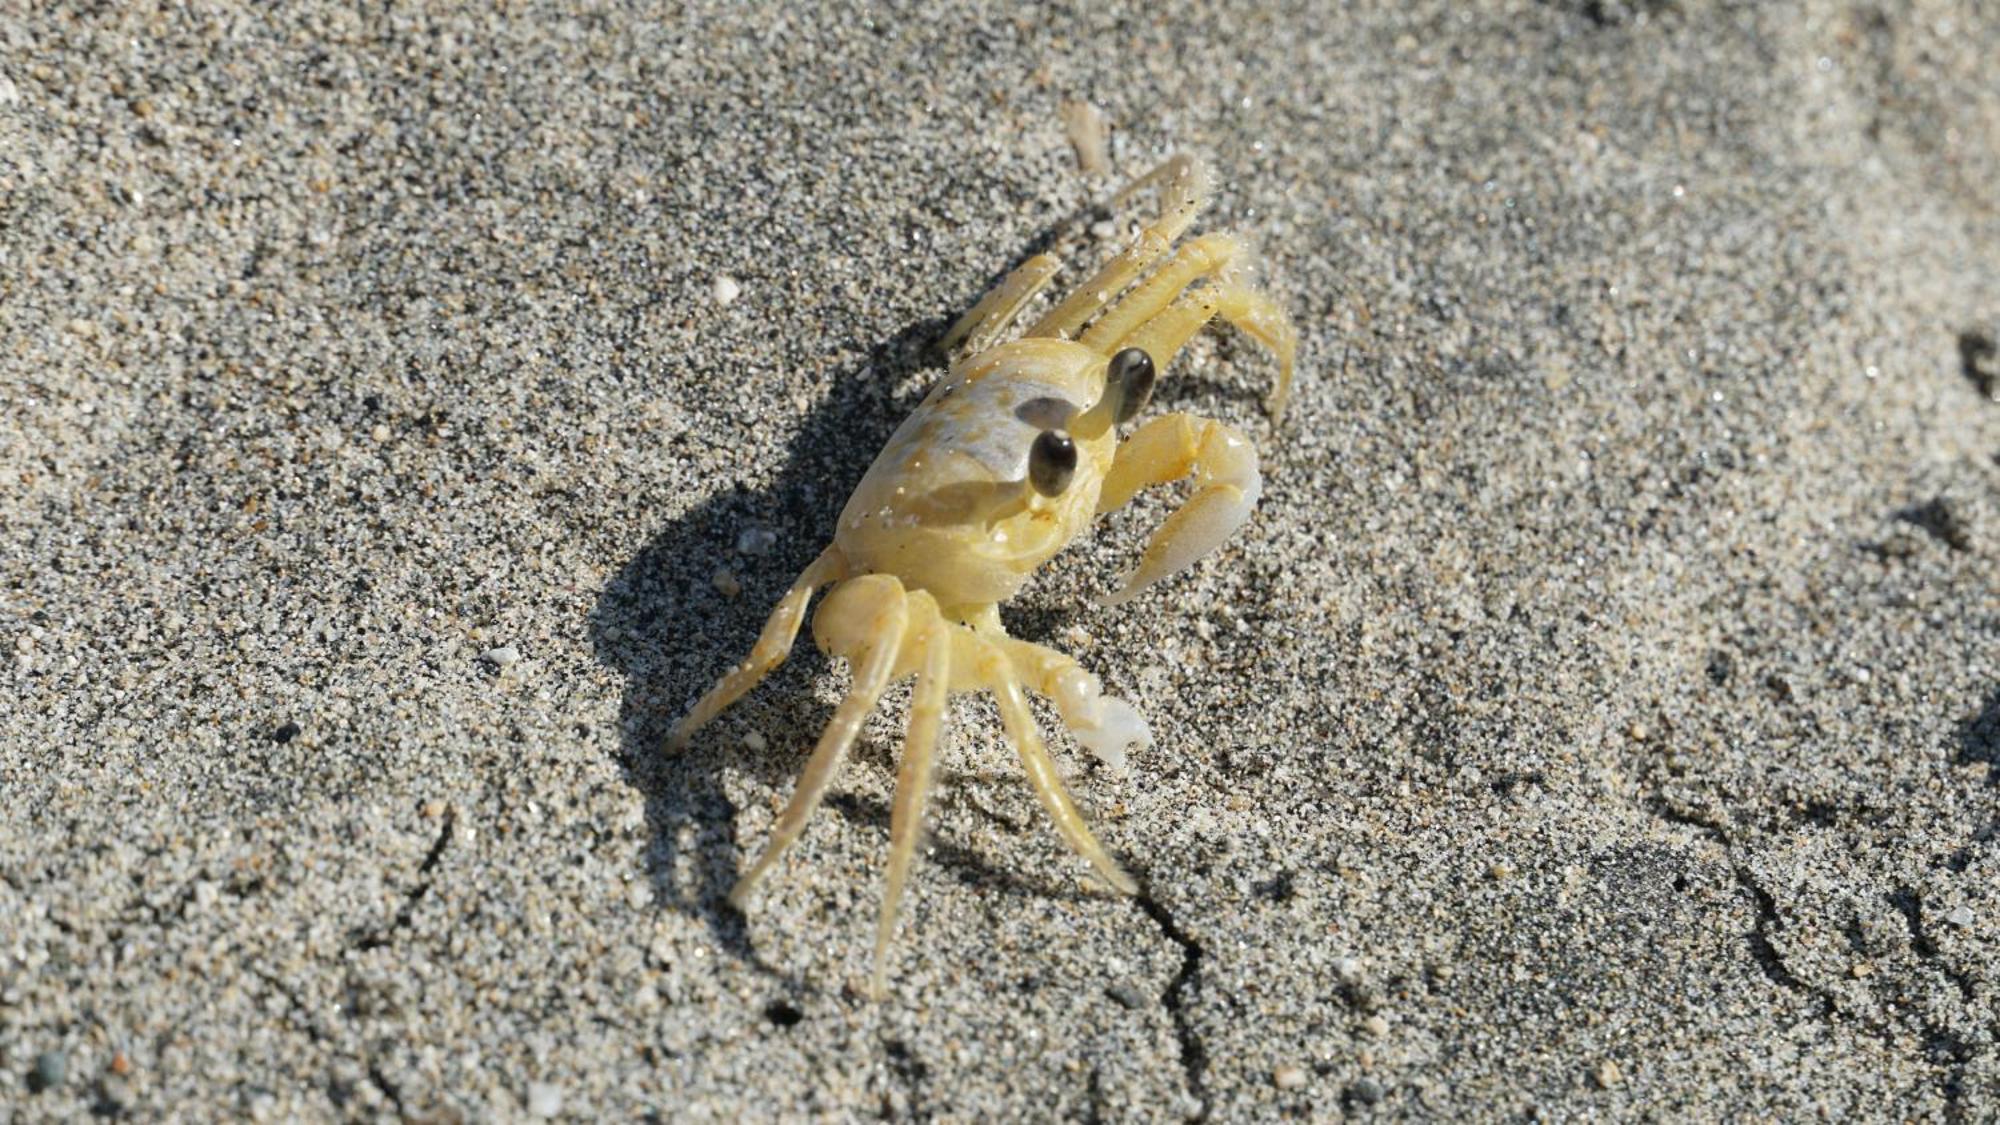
{"x":404,"y":417}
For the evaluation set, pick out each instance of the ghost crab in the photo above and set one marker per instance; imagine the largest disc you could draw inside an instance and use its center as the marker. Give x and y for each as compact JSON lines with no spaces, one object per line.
{"x":1006,"y":460}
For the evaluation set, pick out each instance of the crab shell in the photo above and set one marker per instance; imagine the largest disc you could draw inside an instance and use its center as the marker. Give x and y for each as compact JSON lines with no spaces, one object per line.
{"x":947,"y":506}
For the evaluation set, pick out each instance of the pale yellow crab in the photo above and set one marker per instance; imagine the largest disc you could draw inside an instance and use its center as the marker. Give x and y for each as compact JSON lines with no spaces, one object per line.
{"x":1010,"y":457}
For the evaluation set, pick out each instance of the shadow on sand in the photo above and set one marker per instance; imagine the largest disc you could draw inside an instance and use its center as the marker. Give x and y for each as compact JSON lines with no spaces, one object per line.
{"x":1979,"y":740}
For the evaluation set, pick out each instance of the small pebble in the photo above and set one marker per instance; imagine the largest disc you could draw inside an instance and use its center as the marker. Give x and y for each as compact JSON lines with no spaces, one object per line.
{"x":379,"y":434}
{"x":505,"y":656}
{"x":1500,"y":871}
{"x":121,"y":1064}
{"x":1125,"y":994}
{"x":1960,"y":916}
{"x":1607,"y":1075}
{"x":755,"y":540}
{"x":725,"y":582}
{"x":755,"y":742}
{"x":1376,"y":1026}
{"x":1289,"y":1077}
{"x":725,"y":289}
{"x":1365,"y":1092}
{"x":51,"y":1067}
{"x":545,"y":1099}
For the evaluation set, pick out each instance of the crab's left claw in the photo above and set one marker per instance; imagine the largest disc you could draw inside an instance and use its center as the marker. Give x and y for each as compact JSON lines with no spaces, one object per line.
{"x":1224,"y":466}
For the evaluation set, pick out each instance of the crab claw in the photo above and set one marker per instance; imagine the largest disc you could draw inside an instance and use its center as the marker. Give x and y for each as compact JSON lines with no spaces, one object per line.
{"x":1224,"y":466}
{"x":1103,"y":724}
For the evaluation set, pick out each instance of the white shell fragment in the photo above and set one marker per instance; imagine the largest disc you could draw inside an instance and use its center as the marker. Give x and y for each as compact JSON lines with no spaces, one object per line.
{"x":1090,"y":135}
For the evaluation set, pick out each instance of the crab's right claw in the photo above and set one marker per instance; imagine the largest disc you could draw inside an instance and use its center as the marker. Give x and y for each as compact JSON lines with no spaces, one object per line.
{"x":1224,"y":466}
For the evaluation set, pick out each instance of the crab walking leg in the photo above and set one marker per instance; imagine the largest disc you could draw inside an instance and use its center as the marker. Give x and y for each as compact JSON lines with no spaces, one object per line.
{"x":1186,"y":179}
{"x":865,"y":621}
{"x":1206,"y":256}
{"x":997,"y":309}
{"x":1186,"y":190}
{"x":1224,"y":466}
{"x":913,"y":776}
{"x":1042,"y":776}
{"x":773,"y":645}
{"x":1248,"y":309}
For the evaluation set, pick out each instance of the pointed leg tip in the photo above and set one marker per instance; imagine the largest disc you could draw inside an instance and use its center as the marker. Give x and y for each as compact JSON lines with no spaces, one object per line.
{"x":679,"y":736}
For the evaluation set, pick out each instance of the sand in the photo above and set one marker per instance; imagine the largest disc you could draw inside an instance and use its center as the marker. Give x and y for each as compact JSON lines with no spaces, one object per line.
{"x":403,"y":417}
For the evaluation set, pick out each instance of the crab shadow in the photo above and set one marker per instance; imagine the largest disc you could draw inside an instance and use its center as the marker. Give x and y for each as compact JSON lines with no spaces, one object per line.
{"x":665,"y":622}
{"x":1979,"y":740}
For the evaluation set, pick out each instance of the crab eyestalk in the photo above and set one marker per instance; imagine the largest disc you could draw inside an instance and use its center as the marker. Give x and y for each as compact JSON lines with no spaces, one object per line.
{"x":1128,"y":384}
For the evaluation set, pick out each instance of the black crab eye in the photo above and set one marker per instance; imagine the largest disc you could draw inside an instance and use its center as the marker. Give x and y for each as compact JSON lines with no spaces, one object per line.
{"x":1131,"y":373}
{"x":1051,"y":462}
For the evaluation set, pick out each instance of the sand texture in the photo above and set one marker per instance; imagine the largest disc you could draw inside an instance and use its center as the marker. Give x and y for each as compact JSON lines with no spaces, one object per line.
{"x":405,"y":415}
